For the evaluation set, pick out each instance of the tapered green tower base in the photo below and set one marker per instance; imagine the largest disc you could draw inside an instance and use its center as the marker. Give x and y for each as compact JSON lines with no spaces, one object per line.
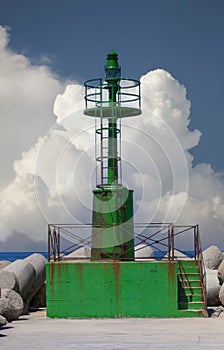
{"x":113,"y":231}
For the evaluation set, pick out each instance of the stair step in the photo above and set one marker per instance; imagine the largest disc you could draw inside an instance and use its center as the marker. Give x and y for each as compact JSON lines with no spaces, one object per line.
{"x":183,"y":278}
{"x":188,"y":267}
{"x":192,"y":263}
{"x":190,"y":285}
{"x":188,"y":295}
{"x":190,"y":298}
{"x":190,"y":292}
{"x":186,"y":277}
{"x":189,"y":280}
{"x":188,"y":270}
{"x":192,"y":313}
{"x":188,"y":273}
{"x":191,"y":305}
{"x":190,"y":288}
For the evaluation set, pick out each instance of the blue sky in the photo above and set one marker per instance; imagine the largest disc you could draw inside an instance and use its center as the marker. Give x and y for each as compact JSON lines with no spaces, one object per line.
{"x":48,"y":48}
{"x":183,"y":37}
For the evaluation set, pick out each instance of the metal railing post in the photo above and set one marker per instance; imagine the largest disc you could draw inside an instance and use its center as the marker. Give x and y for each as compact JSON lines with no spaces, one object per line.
{"x":54,"y":244}
{"x":49,"y":243}
{"x":58,"y":245}
{"x":169,"y":247}
{"x":172,"y":242}
{"x":195,"y":243}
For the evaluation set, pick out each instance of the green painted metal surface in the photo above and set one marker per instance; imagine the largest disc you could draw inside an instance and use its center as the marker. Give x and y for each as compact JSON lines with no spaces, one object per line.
{"x":112,"y":77}
{"x":115,"y":289}
{"x":112,"y":235}
{"x":112,"y":71}
{"x":111,"y":289}
{"x":113,"y":231}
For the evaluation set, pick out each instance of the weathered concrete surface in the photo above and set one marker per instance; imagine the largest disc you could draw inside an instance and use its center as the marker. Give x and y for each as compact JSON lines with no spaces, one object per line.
{"x":83,"y":252}
{"x":4,"y":263}
{"x":26,"y":277}
{"x":19,"y":276}
{"x":36,"y":332}
{"x":143,"y":251}
{"x":11,"y":304}
{"x":221,"y":294}
{"x":221,"y":272}
{"x":39,"y":300}
{"x":178,"y":254}
{"x":212,"y":257}
{"x":3,"y":321}
{"x":38,"y":261}
{"x":212,"y":288}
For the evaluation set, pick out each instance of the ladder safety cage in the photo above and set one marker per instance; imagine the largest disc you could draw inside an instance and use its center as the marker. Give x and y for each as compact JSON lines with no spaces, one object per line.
{"x":108,"y":116}
{"x":94,"y":94}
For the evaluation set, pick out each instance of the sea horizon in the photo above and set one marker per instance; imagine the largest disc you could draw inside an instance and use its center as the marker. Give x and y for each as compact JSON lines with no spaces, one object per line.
{"x":12,"y":256}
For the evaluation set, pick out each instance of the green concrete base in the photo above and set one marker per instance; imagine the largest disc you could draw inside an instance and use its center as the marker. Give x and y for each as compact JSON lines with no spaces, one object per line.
{"x":114,"y":289}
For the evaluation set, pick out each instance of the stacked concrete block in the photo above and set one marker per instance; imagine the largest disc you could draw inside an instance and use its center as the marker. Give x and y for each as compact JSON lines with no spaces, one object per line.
{"x":143,"y":252}
{"x":18,"y":276}
{"x":3,"y":321}
{"x":20,"y":281}
{"x":220,"y":273}
{"x":221,"y":281}
{"x":212,"y":288}
{"x":221,"y":294}
{"x":11,"y":304}
{"x":214,"y":265}
{"x":80,"y":253}
{"x":38,"y":262}
{"x":212,"y":257}
{"x":3,"y":264}
{"x":177,"y":255}
{"x":39,"y":300}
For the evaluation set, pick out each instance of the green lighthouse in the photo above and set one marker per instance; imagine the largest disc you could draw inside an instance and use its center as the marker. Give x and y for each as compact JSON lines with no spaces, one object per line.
{"x":95,"y":269}
{"x":112,"y":221}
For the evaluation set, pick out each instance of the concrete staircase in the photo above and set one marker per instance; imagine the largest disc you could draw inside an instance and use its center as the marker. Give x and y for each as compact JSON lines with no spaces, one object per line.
{"x":190,"y":289}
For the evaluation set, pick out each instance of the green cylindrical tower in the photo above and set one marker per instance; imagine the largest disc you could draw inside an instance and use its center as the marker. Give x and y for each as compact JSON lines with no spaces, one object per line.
{"x":109,"y":101}
{"x":112,"y":77}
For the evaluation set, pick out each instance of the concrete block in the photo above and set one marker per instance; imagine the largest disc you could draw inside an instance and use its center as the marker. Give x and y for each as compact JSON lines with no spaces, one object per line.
{"x":38,"y":262}
{"x":18,"y":276}
{"x":11,"y":304}
{"x":178,"y":255}
{"x":221,"y":294}
{"x":39,"y":299}
{"x":212,"y":288}
{"x":4,"y":263}
{"x":3,"y":321}
{"x":83,"y":252}
{"x":8,"y":280}
{"x":143,"y":252}
{"x":220,"y":272}
{"x":212,"y":257}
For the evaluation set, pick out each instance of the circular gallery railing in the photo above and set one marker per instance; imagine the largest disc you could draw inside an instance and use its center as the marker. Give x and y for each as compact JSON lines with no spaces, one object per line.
{"x":97,"y":103}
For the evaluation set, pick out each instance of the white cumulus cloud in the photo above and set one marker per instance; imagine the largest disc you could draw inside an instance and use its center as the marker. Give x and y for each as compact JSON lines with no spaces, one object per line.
{"x":26,"y":100}
{"x":49,"y":165}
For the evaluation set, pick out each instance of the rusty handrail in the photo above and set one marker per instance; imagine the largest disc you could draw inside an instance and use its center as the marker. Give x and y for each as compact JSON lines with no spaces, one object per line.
{"x":166,"y":233}
{"x":201,"y":269}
